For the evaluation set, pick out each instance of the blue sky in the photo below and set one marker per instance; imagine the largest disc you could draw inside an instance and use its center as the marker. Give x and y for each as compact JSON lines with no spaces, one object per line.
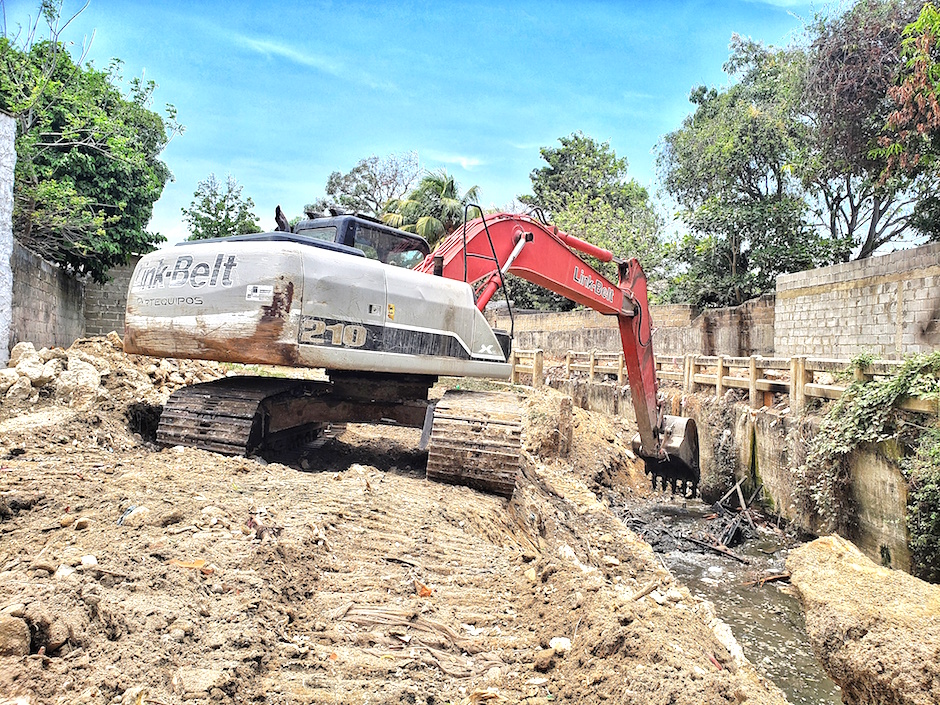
{"x":280,"y":94}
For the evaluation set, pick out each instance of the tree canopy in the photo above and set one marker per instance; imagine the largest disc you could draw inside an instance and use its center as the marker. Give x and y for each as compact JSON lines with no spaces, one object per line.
{"x":372,"y":183}
{"x":219,"y":210}
{"x":434,"y":208}
{"x":88,"y":170}
{"x":780,"y":170}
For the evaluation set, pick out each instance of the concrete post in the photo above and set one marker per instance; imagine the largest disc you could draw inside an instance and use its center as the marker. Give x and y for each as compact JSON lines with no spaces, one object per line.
{"x":754,"y":396}
{"x":513,"y":360}
{"x":538,"y":361}
{"x":798,"y":379}
{"x":720,"y":371}
{"x":568,"y":356}
{"x":591,"y":366}
{"x":7,"y":164}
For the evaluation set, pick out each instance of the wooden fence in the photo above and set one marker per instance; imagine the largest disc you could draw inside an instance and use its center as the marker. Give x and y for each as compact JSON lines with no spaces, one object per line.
{"x":802,"y":378}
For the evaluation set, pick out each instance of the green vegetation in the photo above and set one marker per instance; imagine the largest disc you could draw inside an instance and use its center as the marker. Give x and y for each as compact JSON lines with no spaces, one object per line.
{"x":219,"y":212}
{"x":88,"y":170}
{"x":434,"y":208}
{"x":866,"y":413}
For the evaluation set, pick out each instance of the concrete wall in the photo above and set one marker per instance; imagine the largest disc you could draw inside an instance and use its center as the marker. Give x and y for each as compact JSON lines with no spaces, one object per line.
{"x":767,"y":447}
{"x":7,"y":164}
{"x":889,"y":306}
{"x":677,"y":329}
{"x":48,"y":304}
{"x":105,"y":303}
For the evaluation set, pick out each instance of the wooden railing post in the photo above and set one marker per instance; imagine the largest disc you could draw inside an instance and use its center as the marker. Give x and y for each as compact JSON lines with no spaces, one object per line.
{"x":798,"y":378}
{"x":720,"y":371}
{"x":537,"y":362}
{"x":754,"y":395}
{"x":592,"y":363}
{"x":568,"y":364}
{"x":513,"y":360}
{"x":687,"y":385}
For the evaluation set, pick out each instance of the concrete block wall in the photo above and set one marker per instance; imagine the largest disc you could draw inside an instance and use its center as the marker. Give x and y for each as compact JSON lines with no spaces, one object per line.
{"x":105,"y":303}
{"x":888,"y":306}
{"x":48,"y":304}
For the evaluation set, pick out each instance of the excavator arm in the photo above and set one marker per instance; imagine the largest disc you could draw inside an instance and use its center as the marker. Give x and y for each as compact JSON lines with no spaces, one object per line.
{"x":484,"y":250}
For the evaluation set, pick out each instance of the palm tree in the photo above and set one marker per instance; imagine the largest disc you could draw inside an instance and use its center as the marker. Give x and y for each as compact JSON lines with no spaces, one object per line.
{"x":434,"y":209}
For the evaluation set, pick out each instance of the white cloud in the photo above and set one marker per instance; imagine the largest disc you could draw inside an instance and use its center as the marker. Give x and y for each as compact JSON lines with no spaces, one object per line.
{"x":326,"y":64}
{"x":465,"y":162}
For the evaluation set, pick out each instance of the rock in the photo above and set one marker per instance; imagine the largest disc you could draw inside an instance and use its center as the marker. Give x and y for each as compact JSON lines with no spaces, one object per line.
{"x":89,"y":561}
{"x":64,"y":572}
{"x":14,"y":636}
{"x":20,"y":390}
{"x":560,"y":644}
{"x":138,"y":516}
{"x":16,"y":609}
{"x":42,"y":564}
{"x":544,"y":660}
{"x":50,"y":370}
{"x":610,"y":561}
{"x":59,"y":633}
{"x":197,"y":680}
{"x":66,"y":520}
{"x":18,"y":351}
{"x":78,"y":385}
{"x":47,"y":354}
{"x":117,"y":342}
{"x":135,"y":696}
{"x":531,"y":575}
{"x":8,"y":377}
{"x":876,"y":630}
{"x":82,"y":523}
{"x":31,"y":366}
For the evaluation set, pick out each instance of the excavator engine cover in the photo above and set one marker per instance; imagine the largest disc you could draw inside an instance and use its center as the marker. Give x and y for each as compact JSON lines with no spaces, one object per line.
{"x":679,"y":463}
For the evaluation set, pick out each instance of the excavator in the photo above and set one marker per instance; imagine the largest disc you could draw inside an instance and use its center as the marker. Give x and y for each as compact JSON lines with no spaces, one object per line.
{"x":384,"y":317}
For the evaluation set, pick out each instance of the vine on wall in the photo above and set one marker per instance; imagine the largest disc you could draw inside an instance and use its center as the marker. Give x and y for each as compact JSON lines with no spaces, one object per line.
{"x":866,"y":413}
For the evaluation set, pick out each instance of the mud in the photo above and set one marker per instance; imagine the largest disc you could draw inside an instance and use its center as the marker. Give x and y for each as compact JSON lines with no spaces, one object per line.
{"x":148,"y":575}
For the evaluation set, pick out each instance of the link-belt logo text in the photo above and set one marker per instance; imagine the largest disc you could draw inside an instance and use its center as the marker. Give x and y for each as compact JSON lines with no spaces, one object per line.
{"x":185,"y":269}
{"x":598,"y":286}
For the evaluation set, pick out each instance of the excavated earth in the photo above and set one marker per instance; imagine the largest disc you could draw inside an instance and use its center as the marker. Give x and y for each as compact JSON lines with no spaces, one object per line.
{"x":133,"y":574}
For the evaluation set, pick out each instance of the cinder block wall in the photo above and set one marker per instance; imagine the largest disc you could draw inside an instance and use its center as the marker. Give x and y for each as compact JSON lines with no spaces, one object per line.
{"x":888,"y":305}
{"x":105,"y":303}
{"x":48,"y":304}
{"x":678,"y":329}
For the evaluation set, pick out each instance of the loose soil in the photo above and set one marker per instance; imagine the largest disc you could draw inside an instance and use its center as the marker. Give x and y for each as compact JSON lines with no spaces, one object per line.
{"x":149,"y":575}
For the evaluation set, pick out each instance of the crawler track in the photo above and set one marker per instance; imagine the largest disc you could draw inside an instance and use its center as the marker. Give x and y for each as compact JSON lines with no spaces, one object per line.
{"x":476,"y":440}
{"x":229,"y":415}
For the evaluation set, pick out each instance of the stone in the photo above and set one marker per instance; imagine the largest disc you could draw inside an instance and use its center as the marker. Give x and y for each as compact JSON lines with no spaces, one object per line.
{"x":20,"y":390}
{"x":8,"y":377}
{"x":82,"y":523}
{"x":66,"y":520}
{"x":30,"y":366}
{"x":19,"y":350}
{"x":16,"y":609}
{"x":59,"y":633}
{"x":138,"y":516}
{"x":197,"y":680}
{"x":544,"y":660}
{"x":50,"y":370}
{"x":135,"y":696}
{"x":14,"y":636}
{"x":78,"y":385}
{"x":531,"y":575}
{"x":64,"y":572}
{"x":560,"y":644}
{"x":89,"y":561}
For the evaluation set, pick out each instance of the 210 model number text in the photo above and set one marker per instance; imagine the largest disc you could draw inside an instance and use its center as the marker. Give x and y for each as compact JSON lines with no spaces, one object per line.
{"x":315,"y":331}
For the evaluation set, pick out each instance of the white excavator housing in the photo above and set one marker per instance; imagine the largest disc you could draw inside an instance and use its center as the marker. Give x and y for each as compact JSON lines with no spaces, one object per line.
{"x":283,"y":302}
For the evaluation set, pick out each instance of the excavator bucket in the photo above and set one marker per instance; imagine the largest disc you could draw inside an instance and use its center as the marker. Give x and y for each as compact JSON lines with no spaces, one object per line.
{"x":679,"y":465}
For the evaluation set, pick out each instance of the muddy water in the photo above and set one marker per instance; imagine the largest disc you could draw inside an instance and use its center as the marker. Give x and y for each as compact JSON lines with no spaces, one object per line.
{"x":767,"y":620}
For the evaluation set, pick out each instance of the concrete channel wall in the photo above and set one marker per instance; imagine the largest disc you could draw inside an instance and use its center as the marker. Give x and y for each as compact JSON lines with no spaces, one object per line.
{"x":767,"y":446}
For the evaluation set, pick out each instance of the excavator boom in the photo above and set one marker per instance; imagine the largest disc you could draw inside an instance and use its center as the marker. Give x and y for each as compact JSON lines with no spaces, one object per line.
{"x":484,"y":250}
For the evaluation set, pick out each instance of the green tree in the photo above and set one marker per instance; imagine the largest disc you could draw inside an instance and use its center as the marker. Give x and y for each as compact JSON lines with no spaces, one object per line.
{"x":88,"y":170}
{"x":852,"y":62}
{"x":434,"y":208}
{"x":372,"y":183}
{"x":219,"y":211}
{"x":730,"y":169}
{"x":910,"y":144}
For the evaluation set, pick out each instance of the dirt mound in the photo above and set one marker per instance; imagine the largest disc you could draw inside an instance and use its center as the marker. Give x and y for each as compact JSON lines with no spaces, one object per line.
{"x":130,"y":574}
{"x":875,"y":630}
